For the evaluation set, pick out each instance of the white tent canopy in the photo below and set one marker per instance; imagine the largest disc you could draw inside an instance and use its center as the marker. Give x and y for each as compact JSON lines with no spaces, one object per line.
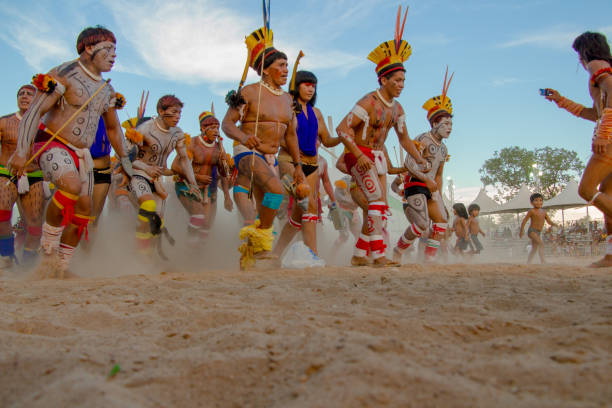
{"x":568,"y":198}
{"x":487,"y":204}
{"x":519,"y":203}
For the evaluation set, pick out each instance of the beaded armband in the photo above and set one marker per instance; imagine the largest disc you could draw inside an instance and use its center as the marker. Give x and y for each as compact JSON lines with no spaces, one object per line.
{"x":595,"y":77}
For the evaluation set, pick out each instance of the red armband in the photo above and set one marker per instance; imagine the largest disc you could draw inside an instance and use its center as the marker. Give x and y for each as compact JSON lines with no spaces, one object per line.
{"x":595,"y":77}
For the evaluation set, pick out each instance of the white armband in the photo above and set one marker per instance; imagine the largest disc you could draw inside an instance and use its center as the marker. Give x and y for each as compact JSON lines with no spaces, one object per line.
{"x":59,"y":88}
{"x":400,"y":123}
{"x":362,"y":114}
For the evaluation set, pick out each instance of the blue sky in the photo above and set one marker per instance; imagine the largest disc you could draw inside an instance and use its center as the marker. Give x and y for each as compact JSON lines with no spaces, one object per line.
{"x":502,"y":52}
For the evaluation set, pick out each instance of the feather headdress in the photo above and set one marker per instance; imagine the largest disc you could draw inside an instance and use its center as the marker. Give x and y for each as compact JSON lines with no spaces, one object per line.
{"x":391,"y":55}
{"x":440,"y":103}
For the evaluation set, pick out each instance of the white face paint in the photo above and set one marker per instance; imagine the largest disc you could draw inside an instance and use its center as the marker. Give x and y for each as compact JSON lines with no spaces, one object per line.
{"x":444,"y":128}
{"x":104,"y":54}
{"x":349,"y":119}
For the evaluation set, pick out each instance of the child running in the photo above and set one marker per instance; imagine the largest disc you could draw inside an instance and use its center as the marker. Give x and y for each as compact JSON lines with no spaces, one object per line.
{"x":474,"y":227}
{"x":460,"y":227}
{"x":537,"y":216}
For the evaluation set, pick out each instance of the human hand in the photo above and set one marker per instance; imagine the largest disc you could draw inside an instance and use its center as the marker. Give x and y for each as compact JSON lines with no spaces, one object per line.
{"x":298,"y":176}
{"x":431,"y":185}
{"x":203,"y":178}
{"x":153,"y":171}
{"x":426,"y":165}
{"x":251,"y":142}
{"x":552,"y":95}
{"x":16,"y":164}
{"x":228,"y":204}
{"x":364,"y":163}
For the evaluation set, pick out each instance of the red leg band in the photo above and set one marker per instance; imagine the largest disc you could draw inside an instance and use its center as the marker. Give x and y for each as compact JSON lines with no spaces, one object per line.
{"x":81,"y":221}
{"x":65,"y":202}
{"x":5,"y":215}
{"x":34,"y":231}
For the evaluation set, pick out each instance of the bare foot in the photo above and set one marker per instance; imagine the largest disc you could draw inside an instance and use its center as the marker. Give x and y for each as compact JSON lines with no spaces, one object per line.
{"x":359,"y":261}
{"x":384,"y":262}
{"x":604,"y":262}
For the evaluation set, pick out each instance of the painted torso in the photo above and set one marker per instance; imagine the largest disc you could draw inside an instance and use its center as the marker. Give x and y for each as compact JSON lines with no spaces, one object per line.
{"x":205,"y":156}
{"x":9,"y":126}
{"x":381,"y":119}
{"x":81,"y":132}
{"x":273,"y":115}
{"x":433,"y":151}
{"x":162,"y":143}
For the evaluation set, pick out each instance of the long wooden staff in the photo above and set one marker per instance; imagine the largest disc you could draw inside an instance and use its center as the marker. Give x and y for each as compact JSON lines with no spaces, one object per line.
{"x":55,"y":134}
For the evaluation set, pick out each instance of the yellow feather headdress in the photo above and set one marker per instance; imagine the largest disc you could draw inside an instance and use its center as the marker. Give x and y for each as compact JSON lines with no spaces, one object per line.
{"x":391,"y":55}
{"x":440,"y":103}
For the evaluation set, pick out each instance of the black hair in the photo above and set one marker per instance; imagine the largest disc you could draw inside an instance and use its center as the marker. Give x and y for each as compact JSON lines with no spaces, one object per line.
{"x":461,"y":211}
{"x":233,"y":98}
{"x":534,"y":196}
{"x":271,"y":55}
{"x":473,"y":207}
{"x":391,"y":73}
{"x":592,"y":46}
{"x":300,"y":78}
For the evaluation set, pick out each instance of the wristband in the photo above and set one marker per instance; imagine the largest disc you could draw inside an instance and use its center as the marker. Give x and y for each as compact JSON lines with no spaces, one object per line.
{"x":570,"y":106}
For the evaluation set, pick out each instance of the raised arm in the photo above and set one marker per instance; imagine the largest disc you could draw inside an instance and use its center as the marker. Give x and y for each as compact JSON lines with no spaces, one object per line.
{"x":572,"y":107}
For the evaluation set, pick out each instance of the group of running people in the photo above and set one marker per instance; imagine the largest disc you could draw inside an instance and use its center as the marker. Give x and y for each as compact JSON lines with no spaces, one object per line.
{"x":56,"y":157}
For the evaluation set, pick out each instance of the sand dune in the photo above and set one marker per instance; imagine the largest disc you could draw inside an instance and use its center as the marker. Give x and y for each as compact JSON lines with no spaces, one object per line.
{"x":461,"y":335}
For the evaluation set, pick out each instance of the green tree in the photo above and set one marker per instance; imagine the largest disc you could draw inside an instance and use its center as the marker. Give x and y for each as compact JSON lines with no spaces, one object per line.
{"x":558,"y":166}
{"x":546,"y":169}
{"x":507,"y":170}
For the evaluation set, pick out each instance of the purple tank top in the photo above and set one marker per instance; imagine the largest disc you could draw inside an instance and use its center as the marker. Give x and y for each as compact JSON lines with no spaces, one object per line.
{"x":101,"y":146}
{"x":308,"y":131}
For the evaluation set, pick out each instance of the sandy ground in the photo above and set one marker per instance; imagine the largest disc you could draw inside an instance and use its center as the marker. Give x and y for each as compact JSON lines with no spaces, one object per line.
{"x":461,"y":336}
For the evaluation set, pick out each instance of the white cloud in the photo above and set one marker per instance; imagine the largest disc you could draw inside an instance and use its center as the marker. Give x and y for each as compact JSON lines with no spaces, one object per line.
{"x":36,"y":40}
{"x":195,"y":41}
{"x":555,"y":37}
